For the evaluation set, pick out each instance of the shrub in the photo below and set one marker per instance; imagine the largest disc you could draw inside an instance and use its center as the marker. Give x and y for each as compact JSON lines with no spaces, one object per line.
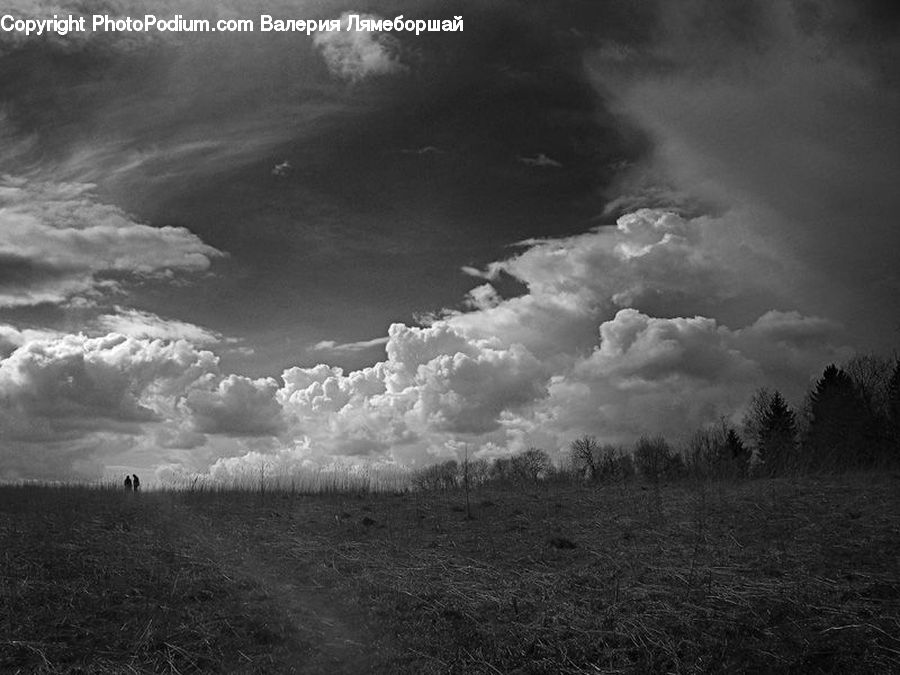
{"x":653,"y":457}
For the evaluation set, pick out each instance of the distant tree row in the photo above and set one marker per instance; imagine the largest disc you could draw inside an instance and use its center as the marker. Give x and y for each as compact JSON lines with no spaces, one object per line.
{"x":532,"y":466}
{"x":850,"y":419}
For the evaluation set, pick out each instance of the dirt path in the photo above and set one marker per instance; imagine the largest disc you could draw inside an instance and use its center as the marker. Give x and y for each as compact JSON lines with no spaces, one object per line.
{"x":327,"y":639}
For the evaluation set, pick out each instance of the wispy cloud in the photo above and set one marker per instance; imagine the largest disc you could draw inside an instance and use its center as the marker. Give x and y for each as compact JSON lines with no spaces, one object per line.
{"x":58,"y":240}
{"x":137,"y":324}
{"x":540,"y":161}
{"x":424,"y":150}
{"x":348,"y":347}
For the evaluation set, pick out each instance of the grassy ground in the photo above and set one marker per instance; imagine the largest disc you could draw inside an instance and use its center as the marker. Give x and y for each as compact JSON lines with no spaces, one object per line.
{"x":765,"y":576}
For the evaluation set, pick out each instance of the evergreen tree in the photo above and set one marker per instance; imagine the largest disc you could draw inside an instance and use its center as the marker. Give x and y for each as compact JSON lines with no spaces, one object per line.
{"x":777,"y":442}
{"x":753,"y":418}
{"x":837,"y":437}
{"x":737,"y":453}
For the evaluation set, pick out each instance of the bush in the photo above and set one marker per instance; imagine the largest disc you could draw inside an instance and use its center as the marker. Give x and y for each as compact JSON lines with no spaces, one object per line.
{"x":717,"y":453}
{"x":442,"y":476}
{"x":593,"y":461}
{"x":654,"y":459}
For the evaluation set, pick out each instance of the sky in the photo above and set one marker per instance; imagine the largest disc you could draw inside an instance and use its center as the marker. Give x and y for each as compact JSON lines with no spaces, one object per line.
{"x":607,"y":218}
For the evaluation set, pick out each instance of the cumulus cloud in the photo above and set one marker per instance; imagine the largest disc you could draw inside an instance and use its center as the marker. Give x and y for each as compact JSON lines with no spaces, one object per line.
{"x":57,"y":240}
{"x":235,"y":406}
{"x":670,"y":375}
{"x":620,"y":332}
{"x":774,"y":115}
{"x":434,"y":383}
{"x":11,"y":338}
{"x":356,"y":55}
{"x":72,"y":395}
{"x":653,"y":260}
{"x":68,"y":402}
{"x":72,"y":383}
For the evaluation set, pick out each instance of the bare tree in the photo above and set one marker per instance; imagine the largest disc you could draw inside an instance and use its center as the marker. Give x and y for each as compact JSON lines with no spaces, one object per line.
{"x":585,"y":452}
{"x":871,"y":375}
{"x":466,"y":477}
{"x":533,"y":464}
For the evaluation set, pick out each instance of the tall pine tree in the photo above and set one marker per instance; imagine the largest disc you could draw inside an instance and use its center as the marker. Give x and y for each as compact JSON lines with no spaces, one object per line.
{"x":777,"y":442}
{"x":837,"y":438}
{"x":737,"y":454}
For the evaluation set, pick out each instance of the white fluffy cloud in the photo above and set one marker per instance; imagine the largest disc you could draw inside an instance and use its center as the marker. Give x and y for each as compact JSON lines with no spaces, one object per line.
{"x":57,"y":241}
{"x":235,"y":406}
{"x":72,"y":402}
{"x":670,"y":375}
{"x":620,"y":332}
{"x":656,"y":261}
{"x":72,"y":384}
{"x":356,"y":55}
{"x":11,"y":338}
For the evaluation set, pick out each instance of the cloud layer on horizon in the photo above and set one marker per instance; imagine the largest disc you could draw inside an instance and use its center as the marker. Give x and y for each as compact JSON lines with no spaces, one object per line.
{"x":582,"y":351}
{"x":768,"y":155}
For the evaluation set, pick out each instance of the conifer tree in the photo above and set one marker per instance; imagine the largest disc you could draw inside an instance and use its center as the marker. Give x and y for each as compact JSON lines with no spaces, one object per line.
{"x":837,"y":437}
{"x":737,"y":453}
{"x":777,"y":443}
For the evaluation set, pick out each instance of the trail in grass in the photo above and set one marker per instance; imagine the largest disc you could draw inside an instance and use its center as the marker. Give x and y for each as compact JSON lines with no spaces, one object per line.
{"x":327,"y":640}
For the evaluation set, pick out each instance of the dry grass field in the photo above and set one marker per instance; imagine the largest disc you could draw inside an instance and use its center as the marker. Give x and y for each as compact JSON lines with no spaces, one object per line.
{"x":762,"y":576}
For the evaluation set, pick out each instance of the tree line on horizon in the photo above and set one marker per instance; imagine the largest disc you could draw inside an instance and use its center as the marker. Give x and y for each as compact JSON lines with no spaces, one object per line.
{"x":849,"y":420}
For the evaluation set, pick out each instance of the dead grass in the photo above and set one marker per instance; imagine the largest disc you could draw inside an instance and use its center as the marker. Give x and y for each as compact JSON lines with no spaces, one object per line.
{"x":766,"y":576}
{"x":99,"y":581}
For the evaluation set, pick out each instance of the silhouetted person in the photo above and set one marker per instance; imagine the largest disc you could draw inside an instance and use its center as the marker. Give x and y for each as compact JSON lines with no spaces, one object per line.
{"x":136,"y":483}
{"x":127,"y":483}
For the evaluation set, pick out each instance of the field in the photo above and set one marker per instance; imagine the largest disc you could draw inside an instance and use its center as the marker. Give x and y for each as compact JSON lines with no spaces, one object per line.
{"x":762,"y":576}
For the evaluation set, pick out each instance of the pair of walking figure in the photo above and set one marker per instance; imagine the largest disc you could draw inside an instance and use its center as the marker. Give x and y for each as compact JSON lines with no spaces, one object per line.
{"x":132,"y":482}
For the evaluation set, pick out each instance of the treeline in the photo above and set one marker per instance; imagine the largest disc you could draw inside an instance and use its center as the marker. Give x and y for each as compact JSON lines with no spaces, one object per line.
{"x":848,"y":420}
{"x":532,"y":466}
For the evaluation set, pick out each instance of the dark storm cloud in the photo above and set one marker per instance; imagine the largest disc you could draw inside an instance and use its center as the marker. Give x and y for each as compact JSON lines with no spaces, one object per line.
{"x":789,"y":111}
{"x":21,"y":272}
{"x":187,"y":133}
